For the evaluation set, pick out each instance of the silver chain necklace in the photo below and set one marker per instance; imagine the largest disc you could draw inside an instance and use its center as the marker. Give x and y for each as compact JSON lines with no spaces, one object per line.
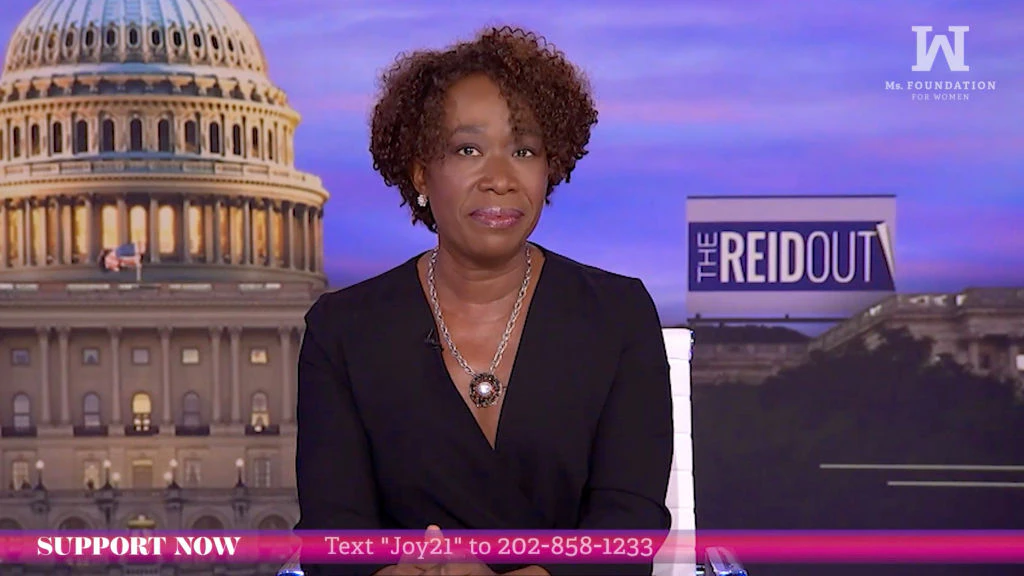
{"x":485,"y":388}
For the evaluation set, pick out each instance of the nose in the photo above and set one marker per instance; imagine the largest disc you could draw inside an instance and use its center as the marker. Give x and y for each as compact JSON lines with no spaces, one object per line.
{"x":499,"y":176}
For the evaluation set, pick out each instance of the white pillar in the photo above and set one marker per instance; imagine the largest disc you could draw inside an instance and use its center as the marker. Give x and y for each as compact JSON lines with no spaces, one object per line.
{"x":236,"y":385}
{"x":270,"y":232}
{"x":4,"y":248}
{"x":320,"y":240}
{"x":65,"y":217}
{"x":44,"y":374}
{"x":186,"y":253}
{"x":44,"y":249}
{"x":153,"y":242}
{"x":247,"y":247}
{"x":287,"y":369}
{"x":214,"y":239}
{"x":165,"y":364}
{"x":115,"y":376}
{"x":306,"y":259}
{"x":122,"y":221}
{"x":215,"y":366}
{"x":26,"y":236}
{"x":63,"y":332}
{"x":90,"y":229}
{"x":288,"y":214}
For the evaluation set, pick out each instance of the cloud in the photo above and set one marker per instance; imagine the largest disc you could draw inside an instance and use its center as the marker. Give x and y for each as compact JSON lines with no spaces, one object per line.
{"x":323,"y":105}
{"x":707,"y":111}
{"x":925,"y":149}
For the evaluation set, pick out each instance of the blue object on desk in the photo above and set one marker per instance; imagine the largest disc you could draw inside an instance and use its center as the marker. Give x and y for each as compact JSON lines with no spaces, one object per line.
{"x":723,"y":563}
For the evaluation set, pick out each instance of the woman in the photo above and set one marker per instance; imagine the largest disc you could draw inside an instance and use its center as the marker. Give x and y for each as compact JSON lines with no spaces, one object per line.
{"x":404,"y":378}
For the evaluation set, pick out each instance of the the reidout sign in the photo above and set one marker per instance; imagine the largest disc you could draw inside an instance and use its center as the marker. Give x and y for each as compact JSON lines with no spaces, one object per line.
{"x":797,"y":256}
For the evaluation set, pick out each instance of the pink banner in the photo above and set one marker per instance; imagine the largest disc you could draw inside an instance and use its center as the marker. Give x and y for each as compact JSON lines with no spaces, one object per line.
{"x":511,"y":547}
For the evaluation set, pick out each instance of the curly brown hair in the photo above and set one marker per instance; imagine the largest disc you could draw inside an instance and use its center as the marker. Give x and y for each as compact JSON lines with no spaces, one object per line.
{"x":408,"y":120}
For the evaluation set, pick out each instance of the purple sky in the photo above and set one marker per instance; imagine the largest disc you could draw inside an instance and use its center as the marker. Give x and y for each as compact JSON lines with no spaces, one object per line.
{"x":696,"y":97}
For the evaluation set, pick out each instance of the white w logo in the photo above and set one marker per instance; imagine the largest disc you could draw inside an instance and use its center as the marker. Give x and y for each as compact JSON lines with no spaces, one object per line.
{"x":926,"y":52}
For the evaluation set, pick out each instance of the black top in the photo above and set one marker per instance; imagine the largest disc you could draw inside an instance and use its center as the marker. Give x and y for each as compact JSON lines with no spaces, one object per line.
{"x":584,"y":441}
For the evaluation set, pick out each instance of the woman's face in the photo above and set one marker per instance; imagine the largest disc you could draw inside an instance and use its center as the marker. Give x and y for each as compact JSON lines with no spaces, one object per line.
{"x":487,"y":192}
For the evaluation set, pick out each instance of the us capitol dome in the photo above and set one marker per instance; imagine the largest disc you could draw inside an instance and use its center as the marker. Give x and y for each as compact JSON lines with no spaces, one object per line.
{"x":163,"y":400}
{"x":150,"y":121}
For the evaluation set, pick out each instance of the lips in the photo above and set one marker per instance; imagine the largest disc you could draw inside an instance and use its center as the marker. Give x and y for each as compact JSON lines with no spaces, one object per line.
{"x":497,"y":216}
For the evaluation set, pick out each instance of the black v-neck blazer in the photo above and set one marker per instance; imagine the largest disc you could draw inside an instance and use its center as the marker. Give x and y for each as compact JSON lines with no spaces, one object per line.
{"x":584,"y":439}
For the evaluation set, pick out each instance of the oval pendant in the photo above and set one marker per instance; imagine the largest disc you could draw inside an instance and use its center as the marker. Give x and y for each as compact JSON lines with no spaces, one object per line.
{"x":485,"y":390}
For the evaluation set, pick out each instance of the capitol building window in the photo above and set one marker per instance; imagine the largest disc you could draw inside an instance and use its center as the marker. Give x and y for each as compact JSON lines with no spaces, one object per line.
{"x":20,"y":357}
{"x":167,"y":223}
{"x":215,"y":147}
{"x":91,"y":474}
{"x":196,"y":245}
{"x":137,"y":226}
{"x":136,"y":135}
{"x":91,"y":417}
{"x":56,"y":139}
{"x":109,"y":223}
{"x":142,"y":410}
{"x":80,"y":228}
{"x":191,"y":417}
{"x":81,"y":137}
{"x":22,"y":412}
{"x":108,"y":141}
{"x":164,"y":136}
{"x":19,"y":475}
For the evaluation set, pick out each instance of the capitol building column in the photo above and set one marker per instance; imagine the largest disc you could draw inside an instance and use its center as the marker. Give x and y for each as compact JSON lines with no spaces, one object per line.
{"x":288,"y":214}
{"x":215,"y":332}
{"x":246,"y":231}
{"x":26,"y":232}
{"x":287,"y":368}
{"x":320,"y":239}
{"x":208,"y":229}
{"x":39,"y":243}
{"x":3,"y":234}
{"x":65,"y":212}
{"x":218,"y":249}
{"x":44,"y":374}
{"x":306,"y":260}
{"x":52,"y":253}
{"x":115,"y":375}
{"x":271,"y":234}
{"x":63,"y":332}
{"x":122,"y":220}
{"x":165,"y":373}
{"x":186,"y":254}
{"x":90,"y":229}
{"x":153,"y":248}
{"x":235,"y":333}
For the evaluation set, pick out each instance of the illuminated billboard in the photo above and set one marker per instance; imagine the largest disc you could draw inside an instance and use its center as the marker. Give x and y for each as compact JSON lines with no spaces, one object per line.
{"x":801,"y":257}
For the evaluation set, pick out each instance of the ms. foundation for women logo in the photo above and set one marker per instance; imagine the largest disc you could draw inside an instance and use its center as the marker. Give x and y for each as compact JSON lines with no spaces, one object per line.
{"x":929,"y":46}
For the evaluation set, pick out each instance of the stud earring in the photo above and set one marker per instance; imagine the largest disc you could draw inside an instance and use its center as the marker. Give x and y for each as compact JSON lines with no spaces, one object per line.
{"x":422,"y":201}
